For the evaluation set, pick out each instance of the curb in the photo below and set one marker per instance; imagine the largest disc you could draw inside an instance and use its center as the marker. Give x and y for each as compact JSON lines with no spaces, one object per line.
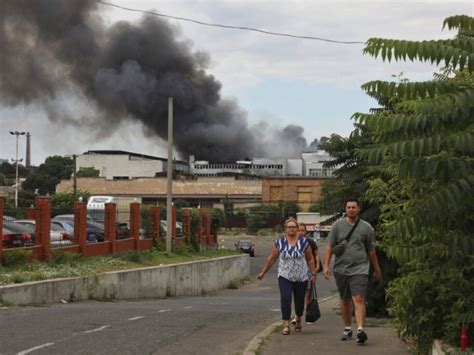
{"x":256,"y":342}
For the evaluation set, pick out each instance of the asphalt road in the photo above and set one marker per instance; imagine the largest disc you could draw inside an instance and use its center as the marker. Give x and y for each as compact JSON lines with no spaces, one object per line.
{"x":220,"y":323}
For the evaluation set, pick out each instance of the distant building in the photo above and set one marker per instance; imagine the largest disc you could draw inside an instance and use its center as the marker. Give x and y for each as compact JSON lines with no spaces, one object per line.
{"x":313,"y":164}
{"x":310,"y":164}
{"x":122,"y":165}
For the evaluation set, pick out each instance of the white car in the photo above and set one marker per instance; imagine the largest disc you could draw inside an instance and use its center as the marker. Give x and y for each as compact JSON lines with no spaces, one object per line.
{"x":59,"y":237}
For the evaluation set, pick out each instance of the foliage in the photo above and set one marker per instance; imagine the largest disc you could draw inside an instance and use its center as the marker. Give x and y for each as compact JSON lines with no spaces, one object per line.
{"x":258,"y":215}
{"x":87,"y":172}
{"x":423,"y":144}
{"x":217,"y":218}
{"x":228,"y":206}
{"x":45,"y":178}
{"x":15,"y":256}
{"x":9,"y":170}
{"x":288,"y":209}
{"x":64,"y":257}
{"x":66,"y":200}
{"x":3,"y":179}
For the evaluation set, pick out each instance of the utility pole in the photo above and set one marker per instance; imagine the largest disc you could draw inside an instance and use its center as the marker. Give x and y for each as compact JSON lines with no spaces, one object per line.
{"x":74,"y":177}
{"x":169,"y":175}
{"x":17,"y":180}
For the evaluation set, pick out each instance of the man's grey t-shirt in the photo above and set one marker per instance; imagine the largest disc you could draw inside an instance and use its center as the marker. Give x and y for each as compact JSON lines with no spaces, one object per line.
{"x":355,"y":260}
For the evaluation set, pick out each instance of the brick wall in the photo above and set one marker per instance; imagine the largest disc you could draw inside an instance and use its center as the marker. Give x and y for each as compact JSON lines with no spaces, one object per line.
{"x":201,"y":187}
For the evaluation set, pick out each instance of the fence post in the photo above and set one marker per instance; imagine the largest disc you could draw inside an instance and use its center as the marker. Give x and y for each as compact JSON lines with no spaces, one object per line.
{"x":200,"y":227}
{"x":135,"y":223}
{"x":30,"y":213}
{"x":80,"y":225}
{"x":43,"y":225}
{"x":187,"y":225}
{"x":155,"y":224}
{"x":110,"y":225}
{"x":208,"y":228}
{"x":173,"y":222}
{"x":2,"y":208}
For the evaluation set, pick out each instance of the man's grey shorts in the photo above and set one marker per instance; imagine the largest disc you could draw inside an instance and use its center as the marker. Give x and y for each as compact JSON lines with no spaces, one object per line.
{"x":351,"y":285}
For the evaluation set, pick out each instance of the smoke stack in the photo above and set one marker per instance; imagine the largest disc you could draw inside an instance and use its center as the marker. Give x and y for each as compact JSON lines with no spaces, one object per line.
{"x":28,"y":151}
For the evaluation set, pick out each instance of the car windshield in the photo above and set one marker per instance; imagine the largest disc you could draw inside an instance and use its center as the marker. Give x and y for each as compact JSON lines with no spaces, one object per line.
{"x":245,"y":243}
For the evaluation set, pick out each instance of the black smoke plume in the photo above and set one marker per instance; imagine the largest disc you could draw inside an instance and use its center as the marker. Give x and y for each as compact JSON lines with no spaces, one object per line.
{"x":126,"y":71}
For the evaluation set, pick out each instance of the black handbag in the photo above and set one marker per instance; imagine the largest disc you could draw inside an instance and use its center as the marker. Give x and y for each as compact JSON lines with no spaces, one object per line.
{"x":339,"y":248}
{"x":312,"y":309}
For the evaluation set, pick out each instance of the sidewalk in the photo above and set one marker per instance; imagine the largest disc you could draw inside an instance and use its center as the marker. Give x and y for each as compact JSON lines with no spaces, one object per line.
{"x":323,"y":337}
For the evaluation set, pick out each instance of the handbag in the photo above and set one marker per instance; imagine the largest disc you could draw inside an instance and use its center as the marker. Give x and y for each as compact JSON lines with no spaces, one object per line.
{"x":340,"y":247}
{"x":312,"y":309}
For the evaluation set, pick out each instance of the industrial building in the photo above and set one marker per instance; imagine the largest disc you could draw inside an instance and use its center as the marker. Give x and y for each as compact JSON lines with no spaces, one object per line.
{"x":122,"y":165}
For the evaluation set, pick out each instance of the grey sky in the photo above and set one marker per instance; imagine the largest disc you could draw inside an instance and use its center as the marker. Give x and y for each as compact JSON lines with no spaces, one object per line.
{"x":279,"y":80}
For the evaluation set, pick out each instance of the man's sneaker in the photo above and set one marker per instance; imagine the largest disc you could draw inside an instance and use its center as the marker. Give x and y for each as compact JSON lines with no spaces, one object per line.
{"x":293,"y":321}
{"x":361,"y":337}
{"x":347,"y":334}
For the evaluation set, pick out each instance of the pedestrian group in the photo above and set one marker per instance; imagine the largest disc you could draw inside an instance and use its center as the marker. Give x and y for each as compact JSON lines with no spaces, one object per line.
{"x":352,"y":241}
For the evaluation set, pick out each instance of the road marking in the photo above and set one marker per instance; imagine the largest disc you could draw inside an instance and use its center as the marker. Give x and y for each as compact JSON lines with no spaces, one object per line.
{"x":275,"y":309}
{"x":96,"y":329}
{"x":164,"y":310}
{"x":135,"y":318}
{"x":188,"y":307}
{"x":35,"y":348}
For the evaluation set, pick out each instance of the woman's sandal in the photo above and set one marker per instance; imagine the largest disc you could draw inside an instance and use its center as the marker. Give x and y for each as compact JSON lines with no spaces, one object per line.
{"x":285,"y":330}
{"x":298,"y":326}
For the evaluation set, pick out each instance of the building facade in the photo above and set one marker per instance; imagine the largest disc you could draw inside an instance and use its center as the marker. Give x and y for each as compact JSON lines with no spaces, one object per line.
{"x":306,"y":191}
{"x":122,"y":165}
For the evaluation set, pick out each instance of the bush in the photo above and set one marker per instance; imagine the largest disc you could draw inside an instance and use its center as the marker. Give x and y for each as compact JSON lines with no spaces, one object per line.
{"x":15,"y":257}
{"x":138,"y":257}
{"x":64,"y":257}
{"x":217,"y":218}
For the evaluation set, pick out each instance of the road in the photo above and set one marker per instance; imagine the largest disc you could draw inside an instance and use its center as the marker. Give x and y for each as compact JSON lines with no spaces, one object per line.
{"x":220,"y":323}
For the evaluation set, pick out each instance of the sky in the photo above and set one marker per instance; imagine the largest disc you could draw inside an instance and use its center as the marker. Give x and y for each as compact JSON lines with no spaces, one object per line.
{"x":276,"y":80}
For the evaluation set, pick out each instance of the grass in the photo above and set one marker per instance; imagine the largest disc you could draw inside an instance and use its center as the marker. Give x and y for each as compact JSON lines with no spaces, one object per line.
{"x":64,"y":266}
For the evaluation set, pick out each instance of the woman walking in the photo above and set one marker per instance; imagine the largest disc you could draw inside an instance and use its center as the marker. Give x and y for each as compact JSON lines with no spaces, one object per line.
{"x":295,"y":259}
{"x":317,"y":261}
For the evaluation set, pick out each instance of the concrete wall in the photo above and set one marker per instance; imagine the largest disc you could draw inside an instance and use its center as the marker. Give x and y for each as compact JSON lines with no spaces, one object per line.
{"x":187,"y":279}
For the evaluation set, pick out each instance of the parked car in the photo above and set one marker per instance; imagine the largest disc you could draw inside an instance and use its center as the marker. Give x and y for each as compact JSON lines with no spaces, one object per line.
{"x":59,"y":237}
{"x":246,"y":246}
{"x":71,"y":217}
{"x":94,"y":234}
{"x":95,"y":230}
{"x":12,"y":239}
{"x":164,"y":228}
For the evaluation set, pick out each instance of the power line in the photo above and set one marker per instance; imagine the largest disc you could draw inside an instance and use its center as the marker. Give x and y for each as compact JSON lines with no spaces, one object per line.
{"x":230,"y":26}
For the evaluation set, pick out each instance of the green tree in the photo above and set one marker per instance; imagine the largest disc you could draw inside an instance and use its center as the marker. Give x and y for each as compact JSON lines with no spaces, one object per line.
{"x":423,"y":143}
{"x":45,"y":178}
{"x":66,"y":200}
{"x":3,"y":179}
{"x":88,"y":172}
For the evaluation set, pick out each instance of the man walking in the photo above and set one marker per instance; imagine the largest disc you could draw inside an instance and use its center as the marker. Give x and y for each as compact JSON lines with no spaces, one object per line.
{"x":351,"y":267}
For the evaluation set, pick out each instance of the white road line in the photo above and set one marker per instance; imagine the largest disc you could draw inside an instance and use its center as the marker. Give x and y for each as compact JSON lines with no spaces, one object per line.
{"x":188,"y":307}
{"x":135,"y":318}
{"x":96,"y":329}
{"x":164,"y":310}
{"x":35,"y":348}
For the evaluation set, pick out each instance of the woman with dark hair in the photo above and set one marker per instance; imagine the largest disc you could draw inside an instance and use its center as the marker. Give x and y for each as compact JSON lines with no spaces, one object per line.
{"x":295,"y":259}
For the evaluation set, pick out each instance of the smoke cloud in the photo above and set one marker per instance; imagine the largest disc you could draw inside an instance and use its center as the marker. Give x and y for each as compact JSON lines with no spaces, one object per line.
{"x":126,"y":71}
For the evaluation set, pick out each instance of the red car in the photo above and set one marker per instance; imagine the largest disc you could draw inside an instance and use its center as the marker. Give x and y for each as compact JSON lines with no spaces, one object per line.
{"x":12,"y":239}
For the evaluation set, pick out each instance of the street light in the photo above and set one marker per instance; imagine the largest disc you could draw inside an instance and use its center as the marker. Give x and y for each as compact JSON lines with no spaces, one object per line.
{"x":17,"y":134}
